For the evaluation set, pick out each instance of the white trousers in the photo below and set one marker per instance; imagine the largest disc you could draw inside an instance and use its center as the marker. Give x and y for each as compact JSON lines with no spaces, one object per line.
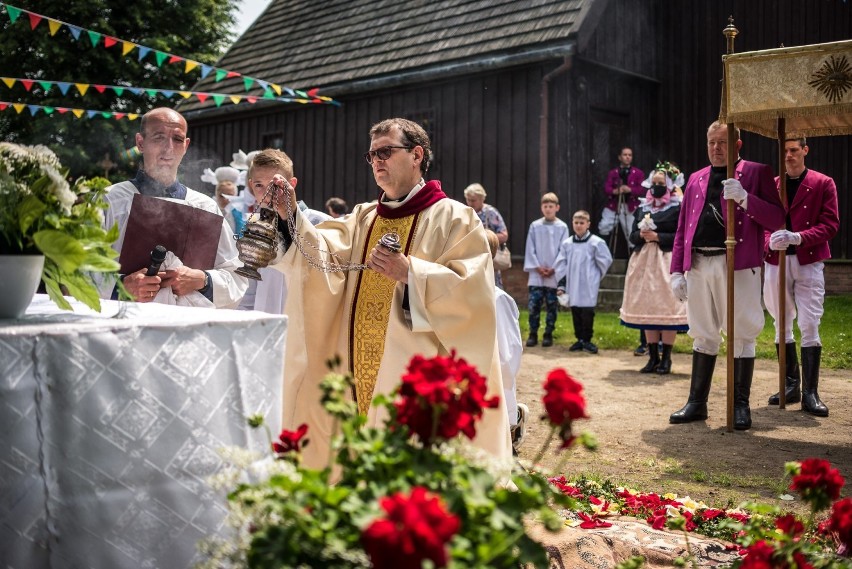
{"x":805,"y":291}
{"x":624,"y":218}
{"x":707,"y":306}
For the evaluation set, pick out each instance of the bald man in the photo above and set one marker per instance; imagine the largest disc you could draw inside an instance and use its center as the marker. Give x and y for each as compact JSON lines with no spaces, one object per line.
{"x":162,"y":140}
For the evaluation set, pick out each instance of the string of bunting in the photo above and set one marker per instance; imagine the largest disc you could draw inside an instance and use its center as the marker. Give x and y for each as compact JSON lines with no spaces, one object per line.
{"x":161,"y":57}
{"x":79,"y":113}
{"x":83,"y":88}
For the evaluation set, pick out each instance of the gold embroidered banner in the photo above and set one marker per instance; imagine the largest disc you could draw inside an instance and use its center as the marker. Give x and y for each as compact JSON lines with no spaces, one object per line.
{"x":809,"y":86}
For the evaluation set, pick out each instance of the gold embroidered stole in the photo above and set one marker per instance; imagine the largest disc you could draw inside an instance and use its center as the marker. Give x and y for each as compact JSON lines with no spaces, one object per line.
{"x":370,"y":315}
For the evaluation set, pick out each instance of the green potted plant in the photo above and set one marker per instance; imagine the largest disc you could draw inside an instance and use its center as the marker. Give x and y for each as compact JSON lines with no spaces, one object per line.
{"x":49,"y":230}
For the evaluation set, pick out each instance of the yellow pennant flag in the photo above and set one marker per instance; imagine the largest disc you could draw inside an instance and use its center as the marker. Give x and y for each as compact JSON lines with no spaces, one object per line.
{"x":9,"y":82}
{"x":190,"y":65}
{"x":185,"y":94}
{"x":132,"y":116}
{"x":276,"y":88}
{"x":77,"y":112}
{"x":235,"y":99}
{"x":127,"y":47}
{"x":54,"y":26}
{"x":19,"y":107}
{"x":82,"y":87}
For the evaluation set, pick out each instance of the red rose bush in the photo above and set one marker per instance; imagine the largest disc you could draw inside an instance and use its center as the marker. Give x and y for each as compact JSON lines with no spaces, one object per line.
{"x":412,"y":493}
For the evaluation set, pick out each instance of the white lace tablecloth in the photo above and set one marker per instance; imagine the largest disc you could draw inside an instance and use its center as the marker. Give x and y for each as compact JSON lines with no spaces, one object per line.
{"x":109,"y":428}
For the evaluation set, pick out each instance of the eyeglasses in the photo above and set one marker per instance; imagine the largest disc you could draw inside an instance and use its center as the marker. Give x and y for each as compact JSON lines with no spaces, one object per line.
{"x":382,"y":153}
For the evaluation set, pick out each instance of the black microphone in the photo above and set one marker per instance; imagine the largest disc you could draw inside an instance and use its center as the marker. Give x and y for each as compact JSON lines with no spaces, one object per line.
{"x":158,"y":255}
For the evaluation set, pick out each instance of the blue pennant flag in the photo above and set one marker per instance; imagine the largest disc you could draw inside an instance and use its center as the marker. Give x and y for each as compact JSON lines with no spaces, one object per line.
{"x":33,"y":109}
{"x":135,"y":90}
{"x":91,"y":114}
{"x":167,"y":94}
{"x":75,"y":31}
{"x":63,"y":87}
{"x":205,"y":70}
{"x":143,"y":51}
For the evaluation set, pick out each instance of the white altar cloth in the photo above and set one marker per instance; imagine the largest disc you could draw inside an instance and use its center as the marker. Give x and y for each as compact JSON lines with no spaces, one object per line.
{"x":109,"y":428}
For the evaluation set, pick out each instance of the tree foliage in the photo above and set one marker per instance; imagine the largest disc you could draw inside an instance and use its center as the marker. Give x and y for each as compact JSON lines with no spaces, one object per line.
{"x":194,"y":29}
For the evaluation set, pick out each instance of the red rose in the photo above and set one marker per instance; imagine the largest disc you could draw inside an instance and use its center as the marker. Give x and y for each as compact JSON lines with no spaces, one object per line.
{"x":841,"y":522}
{"x":801,"y":561}
{"x":592,"y":522}
{"x":291,"y":441}
{"x":790,"y":525}
{"x":416,"y":528}
{"x":563,"y":403}
{"x":442,"y":397}
{"x":758,"y":556}
{"x":658,"y":519}
{"x":818,"y":483}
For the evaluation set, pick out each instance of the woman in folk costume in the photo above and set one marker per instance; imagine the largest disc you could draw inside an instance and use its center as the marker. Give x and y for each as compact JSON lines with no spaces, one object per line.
{"x":649,"y":303}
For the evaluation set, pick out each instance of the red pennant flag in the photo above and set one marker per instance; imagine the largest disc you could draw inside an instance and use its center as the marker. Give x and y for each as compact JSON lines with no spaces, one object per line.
{"x":202,"y":96}
{"x":27,"y":84}
{"x":110,"y":41}
{"x":34,"y":20}
{"x":251,"y":99}
{"x":3,"y":106}
{"x":100,"y":88}
{"x":62,"y":110}
{"x":175,"y":59}
{"x":119,"y":116}
{"x":313,"y":92}
{"x":232,"y":74}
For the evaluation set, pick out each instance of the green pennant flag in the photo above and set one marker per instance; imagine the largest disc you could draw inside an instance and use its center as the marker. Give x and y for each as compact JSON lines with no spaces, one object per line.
{"x":118,"y":91}
{"x":151,"y":92}
{"x":13,"y":13}
{"x":248,"y":81}
{"x":49,"y":110}
{"x":105,"y":114}
{"x":220,"y":74}
{"x":45,"y":85}
{"x":94,"y":37}
{"x":268,"y":94}
{"x":219,"y":99}
{"x":161,"y":57}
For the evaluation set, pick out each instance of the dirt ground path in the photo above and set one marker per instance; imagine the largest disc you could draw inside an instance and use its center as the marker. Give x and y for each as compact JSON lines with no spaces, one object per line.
{"x":639,"y":448}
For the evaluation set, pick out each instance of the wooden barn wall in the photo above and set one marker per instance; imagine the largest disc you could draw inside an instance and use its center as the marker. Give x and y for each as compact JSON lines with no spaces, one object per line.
{"x":484,"y":128}
{"x":692,"y":50}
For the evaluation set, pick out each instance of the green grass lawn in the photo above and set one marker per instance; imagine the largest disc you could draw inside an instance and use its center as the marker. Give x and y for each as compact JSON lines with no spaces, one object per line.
{"x":610,"y":335}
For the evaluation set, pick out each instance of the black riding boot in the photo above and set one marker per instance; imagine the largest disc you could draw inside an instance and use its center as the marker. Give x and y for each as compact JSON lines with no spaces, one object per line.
{"x":791,"y":383}
{"x":653,"y":360}
{"x":699,"y":389}
{"x":810,"y":382}
{"x":743,"y":372}
{"x":665,"y":361}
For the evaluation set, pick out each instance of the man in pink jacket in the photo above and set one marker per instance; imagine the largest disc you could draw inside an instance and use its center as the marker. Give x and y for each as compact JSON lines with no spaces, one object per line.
{"x":699,"y":254}
{"x":812,"y":221}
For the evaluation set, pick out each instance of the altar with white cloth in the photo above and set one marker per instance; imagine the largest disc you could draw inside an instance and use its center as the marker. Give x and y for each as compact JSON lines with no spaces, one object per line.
{"x":111,"y":423}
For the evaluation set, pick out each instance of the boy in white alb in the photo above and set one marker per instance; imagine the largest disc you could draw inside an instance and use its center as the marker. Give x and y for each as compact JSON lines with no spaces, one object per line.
{"x":545,"y":236}
{"x":583,"y":261}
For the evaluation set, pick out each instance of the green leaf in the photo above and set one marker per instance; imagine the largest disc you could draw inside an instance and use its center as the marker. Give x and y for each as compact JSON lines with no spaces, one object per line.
{"x":55,"y":293}
{"x":60,"y":248}
{"x":29,"y":211}
{"x":81,"y":288}
{"x":99,"y":264}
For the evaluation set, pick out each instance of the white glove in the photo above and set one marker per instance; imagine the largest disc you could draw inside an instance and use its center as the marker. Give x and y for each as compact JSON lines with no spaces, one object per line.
{"x":733,"y":190}
{"x":679,"y":286}
{"x":782,"y":239}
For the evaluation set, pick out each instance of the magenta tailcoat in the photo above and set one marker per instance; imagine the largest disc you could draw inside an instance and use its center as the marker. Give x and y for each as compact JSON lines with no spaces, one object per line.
{"x":814,"y":215}
{"x":764,"y":212}
{"x":634,"y":182}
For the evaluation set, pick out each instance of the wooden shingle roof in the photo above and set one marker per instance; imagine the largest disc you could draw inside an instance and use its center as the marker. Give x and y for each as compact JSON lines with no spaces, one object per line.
{"x":333,"y":43}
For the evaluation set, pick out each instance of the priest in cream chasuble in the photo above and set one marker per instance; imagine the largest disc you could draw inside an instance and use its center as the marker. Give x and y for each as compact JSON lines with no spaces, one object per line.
{"x":435,"y":295}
